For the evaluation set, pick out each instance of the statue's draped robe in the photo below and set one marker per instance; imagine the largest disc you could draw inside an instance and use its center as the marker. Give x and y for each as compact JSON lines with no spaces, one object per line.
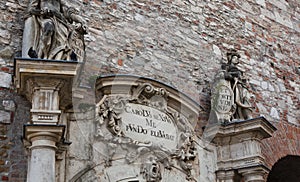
{"x":50,"y":33}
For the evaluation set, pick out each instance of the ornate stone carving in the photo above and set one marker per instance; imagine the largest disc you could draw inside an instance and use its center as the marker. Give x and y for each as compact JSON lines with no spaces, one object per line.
{"x":53,"y":31}
{"x":151,"y":170}
{"x":149,"y":95}
{"x":230,"y":94}
{"x":108,"y":115}
{"x":186,"y":154}
{"x":141,"y":124}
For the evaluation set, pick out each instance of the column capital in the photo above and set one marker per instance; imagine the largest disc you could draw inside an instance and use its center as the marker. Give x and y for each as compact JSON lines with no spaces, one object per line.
{"x":254,"y":173}
{"x":227,"y":176}
{"x":47,"y":84}
{"x":256,"y":128}
{"x":239,"y":147}
{"x":43,"y":136}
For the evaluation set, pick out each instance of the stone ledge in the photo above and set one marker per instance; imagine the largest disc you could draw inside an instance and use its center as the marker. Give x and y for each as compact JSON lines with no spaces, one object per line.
{"x":42,"y":73}
{"x":233,"y":132}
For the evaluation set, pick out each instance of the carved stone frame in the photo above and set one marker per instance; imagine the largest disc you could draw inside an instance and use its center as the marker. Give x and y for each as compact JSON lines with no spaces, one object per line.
{"x":114,"y":95}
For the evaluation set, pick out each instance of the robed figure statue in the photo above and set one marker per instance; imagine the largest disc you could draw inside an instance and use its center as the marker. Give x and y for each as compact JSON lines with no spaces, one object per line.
{"x":230,"y":95}
{"x":53,"y":31}
{"x":239,"y":85}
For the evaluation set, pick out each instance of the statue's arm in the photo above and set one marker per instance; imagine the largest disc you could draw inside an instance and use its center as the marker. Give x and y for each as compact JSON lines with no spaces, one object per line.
{"x":72,"y":15}
{"x":33,"y":7}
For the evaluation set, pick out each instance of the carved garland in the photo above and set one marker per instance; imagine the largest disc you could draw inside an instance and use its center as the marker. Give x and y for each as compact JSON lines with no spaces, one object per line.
{"x":108,"y":111}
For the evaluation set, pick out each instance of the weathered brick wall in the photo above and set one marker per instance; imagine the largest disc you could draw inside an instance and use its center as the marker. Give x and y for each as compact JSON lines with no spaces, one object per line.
{"x":14,"y":110}
{"x":180,"y":43}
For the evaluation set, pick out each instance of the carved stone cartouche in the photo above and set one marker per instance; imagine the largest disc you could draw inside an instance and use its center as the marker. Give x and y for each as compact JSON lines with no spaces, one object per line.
{"x":111,"y":130}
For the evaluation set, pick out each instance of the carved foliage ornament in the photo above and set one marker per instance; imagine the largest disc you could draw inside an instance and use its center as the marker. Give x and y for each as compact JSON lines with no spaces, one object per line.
{"x":143,"y":125}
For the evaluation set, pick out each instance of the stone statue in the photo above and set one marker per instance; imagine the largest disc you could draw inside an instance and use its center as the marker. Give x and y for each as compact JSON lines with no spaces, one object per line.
{"x":239,"y":86}
{"x":53,"y":31}
{"x":230,"y":94}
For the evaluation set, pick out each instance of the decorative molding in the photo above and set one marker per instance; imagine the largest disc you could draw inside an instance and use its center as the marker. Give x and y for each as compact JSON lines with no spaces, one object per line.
{"x":35,"y":132}
{"x":123,"y":84}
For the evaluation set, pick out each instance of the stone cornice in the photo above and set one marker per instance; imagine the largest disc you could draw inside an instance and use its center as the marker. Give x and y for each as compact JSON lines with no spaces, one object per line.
{"x":31,"y":74}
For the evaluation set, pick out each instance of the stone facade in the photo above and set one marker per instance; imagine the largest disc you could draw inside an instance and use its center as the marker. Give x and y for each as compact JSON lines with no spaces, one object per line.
{"x":180,"y":43}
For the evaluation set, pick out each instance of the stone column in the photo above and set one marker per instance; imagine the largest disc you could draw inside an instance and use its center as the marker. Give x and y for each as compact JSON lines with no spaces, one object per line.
{"x":43,"y":139}
{"x":48,"y":85}
{"x":253,"y":177}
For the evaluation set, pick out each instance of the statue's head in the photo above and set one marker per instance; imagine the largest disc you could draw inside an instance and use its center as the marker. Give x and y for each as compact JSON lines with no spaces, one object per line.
{"x":233,"y":57}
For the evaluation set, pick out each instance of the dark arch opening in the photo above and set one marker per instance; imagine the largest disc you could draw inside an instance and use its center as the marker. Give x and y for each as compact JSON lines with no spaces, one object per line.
{"x":286,"y":169}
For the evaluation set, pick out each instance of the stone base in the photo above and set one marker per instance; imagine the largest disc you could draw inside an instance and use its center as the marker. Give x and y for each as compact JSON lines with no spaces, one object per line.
{"x":238,"y":148}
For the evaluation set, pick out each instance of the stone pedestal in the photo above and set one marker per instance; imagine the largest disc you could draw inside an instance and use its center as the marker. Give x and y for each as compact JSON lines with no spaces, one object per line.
{"x":238,"y":149}
{"x":48,"y":85}
{"x":45,"y":99}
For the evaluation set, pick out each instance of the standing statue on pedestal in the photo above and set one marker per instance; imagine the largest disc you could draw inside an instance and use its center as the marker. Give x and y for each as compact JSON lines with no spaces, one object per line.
{"x":53,"y":31}
{"x":230,"y":95}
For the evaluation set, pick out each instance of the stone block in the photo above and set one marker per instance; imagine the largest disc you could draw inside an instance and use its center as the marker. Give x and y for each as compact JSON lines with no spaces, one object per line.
{"x":5,"y":117}
{"x":9,"y":105}
{"x":274,"y":113}
{"x":264,"y":85}
{"x":281,"y":4}
{"x":261,"y":2}
{"x":292,"y":120}
{"x":261,"y":108}
{"x":5,"y":80}
{"x":283,"y":19}
{"x":7,"y":52}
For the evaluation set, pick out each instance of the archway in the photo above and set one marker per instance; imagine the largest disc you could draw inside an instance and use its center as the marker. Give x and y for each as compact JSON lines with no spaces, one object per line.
{"x":285,"y":169}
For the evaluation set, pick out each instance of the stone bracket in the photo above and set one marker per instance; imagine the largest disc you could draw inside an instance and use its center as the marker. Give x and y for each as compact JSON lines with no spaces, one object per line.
{"x":234,"y":132}
{"x":238,"y":148}
{"x":47,"y":77}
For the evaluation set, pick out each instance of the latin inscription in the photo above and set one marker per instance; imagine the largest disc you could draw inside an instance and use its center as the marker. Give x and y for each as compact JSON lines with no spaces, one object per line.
{"x":144,"y":123}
